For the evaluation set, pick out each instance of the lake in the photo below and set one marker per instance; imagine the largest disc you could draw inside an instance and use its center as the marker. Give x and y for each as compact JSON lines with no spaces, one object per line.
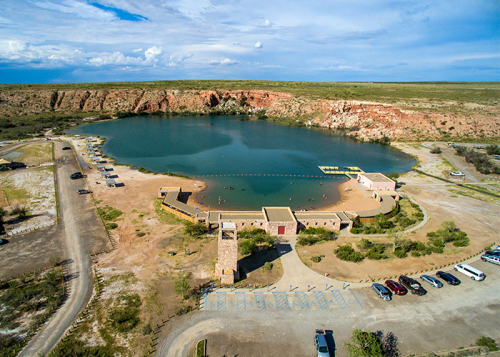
{"x":232,"y":145}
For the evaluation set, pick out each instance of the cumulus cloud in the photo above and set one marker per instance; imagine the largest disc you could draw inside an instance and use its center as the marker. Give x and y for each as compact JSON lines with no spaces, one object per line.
{"x":118,"y":58}
{"x":266,"y":23}
{"x":259,"y":45}
{"x":224,"y":62}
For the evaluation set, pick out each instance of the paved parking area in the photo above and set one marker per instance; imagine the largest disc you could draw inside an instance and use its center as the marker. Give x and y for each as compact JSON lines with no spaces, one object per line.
{"x":227,"y":300}
{"x":447,"y":318}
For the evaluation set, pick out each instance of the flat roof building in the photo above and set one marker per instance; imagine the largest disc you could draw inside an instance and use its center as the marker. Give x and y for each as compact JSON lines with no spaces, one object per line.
{"x":376,"y":181}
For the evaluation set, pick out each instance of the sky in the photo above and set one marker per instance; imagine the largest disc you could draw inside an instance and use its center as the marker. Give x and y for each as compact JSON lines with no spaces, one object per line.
{"x":55,"y":41}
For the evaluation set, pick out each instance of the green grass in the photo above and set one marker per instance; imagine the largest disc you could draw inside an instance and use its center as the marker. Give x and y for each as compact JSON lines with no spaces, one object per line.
{"x":476,"y":195}
{"x":25,"y":304}
{"x":109,"y":213}
{"x":200,"y":349}
{"x":164,"y":216}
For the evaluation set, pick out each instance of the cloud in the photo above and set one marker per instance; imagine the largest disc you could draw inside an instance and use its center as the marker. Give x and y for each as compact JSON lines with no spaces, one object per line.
{"x":266,"y":23}
{"x":81,"y":9}
{"x":152,"y":52}
{"x":118,"y":58}
{"x":259,"y":45}
{"x":137,"y":50}
{"x":224,"y":62}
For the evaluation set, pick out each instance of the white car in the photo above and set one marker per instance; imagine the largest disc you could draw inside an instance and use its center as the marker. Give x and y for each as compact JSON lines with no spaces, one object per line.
{"x":457,"y":173}
{"x":473,"y":273}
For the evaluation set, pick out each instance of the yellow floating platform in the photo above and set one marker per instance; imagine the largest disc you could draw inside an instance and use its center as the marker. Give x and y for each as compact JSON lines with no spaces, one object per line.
{"x":334,"y":170}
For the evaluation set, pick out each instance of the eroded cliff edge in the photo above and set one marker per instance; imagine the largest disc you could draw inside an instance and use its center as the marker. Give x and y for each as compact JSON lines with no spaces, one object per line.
{"x":362,"y":119}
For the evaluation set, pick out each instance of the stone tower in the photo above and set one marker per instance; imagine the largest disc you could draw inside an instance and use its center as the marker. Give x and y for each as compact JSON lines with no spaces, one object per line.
{"x":227,"y":266}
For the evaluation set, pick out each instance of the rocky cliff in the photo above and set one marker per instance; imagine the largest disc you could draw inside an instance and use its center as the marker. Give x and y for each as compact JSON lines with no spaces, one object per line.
{"x":364,"y":120}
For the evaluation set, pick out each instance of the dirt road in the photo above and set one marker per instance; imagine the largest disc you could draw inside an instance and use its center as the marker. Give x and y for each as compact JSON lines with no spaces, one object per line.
{"x":81,"y":230}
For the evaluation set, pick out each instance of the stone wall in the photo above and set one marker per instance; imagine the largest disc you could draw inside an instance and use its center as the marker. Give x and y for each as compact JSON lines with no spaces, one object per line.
{"x":290,"y":227}
{"x":333,"y":225}
{"x":227,"y":266}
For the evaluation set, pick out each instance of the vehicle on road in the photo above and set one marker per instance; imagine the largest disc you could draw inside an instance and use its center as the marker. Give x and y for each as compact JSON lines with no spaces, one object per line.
{"x":412,"y":285}
{"x":457,"y":173}
{"x":382,"y":292}
{"x":450,"y":279}
{"x":320,"y":344}
{"x":76,"y":175}
{"x":66,"y":148}
{"x":396,"y":287}
{"x":431,"y":280}
{"x":495,"y":259}
{"x":473,"y":273}
{"x":83,"y":192}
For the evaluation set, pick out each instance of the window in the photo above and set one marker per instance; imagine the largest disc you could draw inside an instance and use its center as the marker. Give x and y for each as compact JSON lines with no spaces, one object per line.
{"x":307,"y":223}
{"x":242,"y":224}
{"x":325,"y":223}
{"x":316,"y":223}
{"x":261,"y":224}
{"x":251,"y":224}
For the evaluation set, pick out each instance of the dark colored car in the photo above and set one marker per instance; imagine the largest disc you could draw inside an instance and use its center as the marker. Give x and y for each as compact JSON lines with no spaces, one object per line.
{"x":320,"y":344}
{"x":66,"y":148}
{"x":450,"y":279}
{"x":412,"y":285}
{"x":83,"y":192}
{"x":396,"y":288}
{"x":493,"y":252}
{"x":76,"y":175}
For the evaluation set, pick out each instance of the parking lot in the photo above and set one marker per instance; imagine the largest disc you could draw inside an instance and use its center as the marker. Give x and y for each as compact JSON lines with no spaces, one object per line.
{"x":446,"y":318}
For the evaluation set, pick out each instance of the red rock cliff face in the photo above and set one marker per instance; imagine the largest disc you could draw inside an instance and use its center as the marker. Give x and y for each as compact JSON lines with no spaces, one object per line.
{"x":365,"y":120}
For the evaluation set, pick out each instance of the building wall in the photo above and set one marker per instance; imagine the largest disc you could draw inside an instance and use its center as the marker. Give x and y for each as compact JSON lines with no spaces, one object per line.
{"x":382,"y":186}
{"x":290,"y":227}
{"x":177,"y":213}
{"x":333,"y":225}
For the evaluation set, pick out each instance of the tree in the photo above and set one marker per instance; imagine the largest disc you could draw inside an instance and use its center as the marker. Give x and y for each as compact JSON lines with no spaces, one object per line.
{"x":195,"y":229}
{"x":381,"y":221}
{"x":181,"y":284}
{"x":364,"y":344}
{"x":2,"y":221}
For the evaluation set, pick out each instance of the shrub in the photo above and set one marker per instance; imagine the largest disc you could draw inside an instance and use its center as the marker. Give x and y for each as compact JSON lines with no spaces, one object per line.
{"x":364,"y":244}
{"x":381,"y":221}
{"x":364,"y":344}
{"x":146,"y":329}
{"x":346,"y":252}
{"x":314,"y":235}
{"x":436,"y":150}
{"x":195,"y":230}
{"x":267,"y":266}
{"x":110,"y":226}
{"x":487,"y":342}
{"x":415,"y":253}
{"x":140,"y":234}
{"x":316,"y":258}
{"x":109,"y":213}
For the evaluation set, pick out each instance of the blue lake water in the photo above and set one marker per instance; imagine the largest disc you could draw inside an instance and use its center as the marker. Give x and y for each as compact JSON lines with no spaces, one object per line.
{"x":230,"y":145}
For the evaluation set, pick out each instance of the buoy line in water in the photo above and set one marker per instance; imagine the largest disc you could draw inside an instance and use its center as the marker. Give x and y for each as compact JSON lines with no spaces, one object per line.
{"x":271,"y":175}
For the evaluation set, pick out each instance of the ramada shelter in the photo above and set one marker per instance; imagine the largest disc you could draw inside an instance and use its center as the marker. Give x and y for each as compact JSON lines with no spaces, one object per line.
{"x":376,"y":181}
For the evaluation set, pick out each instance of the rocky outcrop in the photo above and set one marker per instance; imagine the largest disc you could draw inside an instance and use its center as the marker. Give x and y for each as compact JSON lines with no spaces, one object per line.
{"x":363,"y":120}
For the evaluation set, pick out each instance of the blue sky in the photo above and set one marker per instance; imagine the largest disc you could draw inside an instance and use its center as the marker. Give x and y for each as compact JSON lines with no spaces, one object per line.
{"x":51,"y":41}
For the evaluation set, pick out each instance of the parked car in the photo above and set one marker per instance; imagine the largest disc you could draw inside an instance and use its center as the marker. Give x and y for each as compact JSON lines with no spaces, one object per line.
{"x":431,"y":280}
{"x":76,"y":175}
{"x":320,"y":344}
{"x":493,"y":252}
{"x":473,"y":273}
{"x":450,"y":279}
{"x":83,"y":192}
{"x":495,"y":259}
{"x":382,"y":292}
{"x":412,"y":285}
{"x":66,"y":148}
{"x":456,"y":173}
{"x":396,"y":287}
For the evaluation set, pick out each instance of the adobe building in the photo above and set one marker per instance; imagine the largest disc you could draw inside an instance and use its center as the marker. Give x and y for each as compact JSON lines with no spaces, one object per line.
{"x":280,"y":221}
{"x":376,"y":182}
{"x":227,"y":263}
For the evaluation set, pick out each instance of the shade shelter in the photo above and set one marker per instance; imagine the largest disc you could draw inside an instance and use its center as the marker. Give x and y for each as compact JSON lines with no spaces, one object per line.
{"x":111,"y":183}
{"x":101,"y":168}
{"x":105,"y":175}
{"x":4,"y":163}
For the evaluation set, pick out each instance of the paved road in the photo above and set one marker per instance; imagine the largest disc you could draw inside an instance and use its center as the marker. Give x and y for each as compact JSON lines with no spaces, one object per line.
{"x":81,"y":230}
{"x":446,"y":318}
